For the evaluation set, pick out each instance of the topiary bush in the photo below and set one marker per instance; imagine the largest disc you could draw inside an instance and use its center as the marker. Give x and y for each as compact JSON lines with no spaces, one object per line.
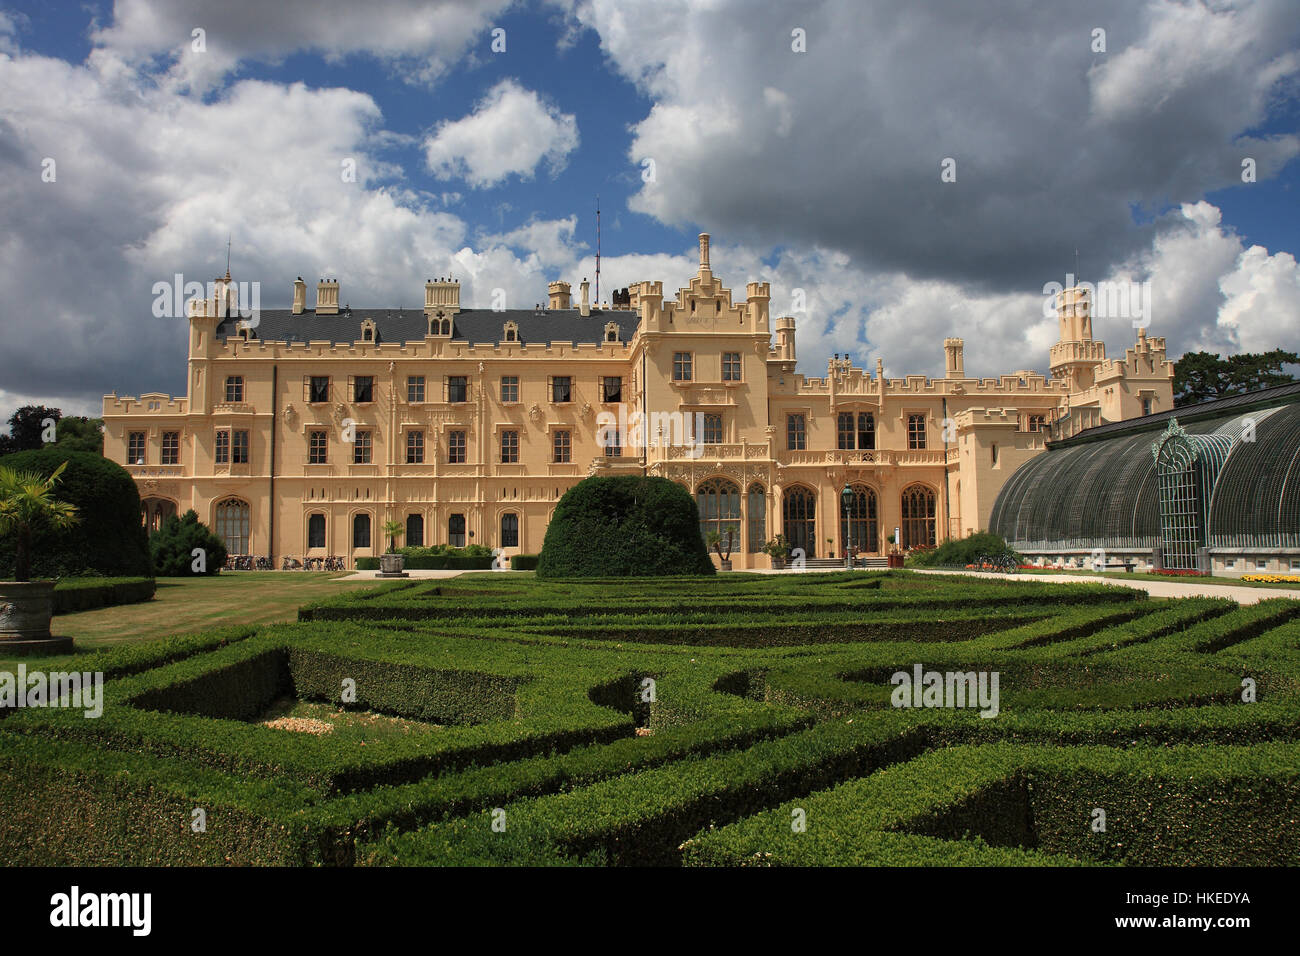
{"x":172,"y":547}
{"x":108,"y":538}
{"x":959,"y":552}
{"x":624,"y":526}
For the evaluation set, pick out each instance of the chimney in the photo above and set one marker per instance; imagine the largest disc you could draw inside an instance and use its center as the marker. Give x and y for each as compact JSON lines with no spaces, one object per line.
{"x":584,"y":307}
{"x":953,"y":362}
{"x":559,"y":295}
{"x":704,"y":254}
{"x":299,"y":296}
{"x":327,"y":297}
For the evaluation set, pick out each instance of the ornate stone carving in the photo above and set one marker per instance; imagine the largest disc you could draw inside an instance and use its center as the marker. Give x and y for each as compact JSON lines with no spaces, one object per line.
{"x":290,"y":415}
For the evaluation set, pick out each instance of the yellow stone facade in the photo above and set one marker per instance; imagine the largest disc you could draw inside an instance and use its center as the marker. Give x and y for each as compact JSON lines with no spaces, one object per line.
{"x":305,"y":430}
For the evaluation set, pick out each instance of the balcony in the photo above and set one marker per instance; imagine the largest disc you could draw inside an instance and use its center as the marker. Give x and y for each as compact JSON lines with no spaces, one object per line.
{"x":233,"y":408}
{"x":864,"y":457}
{"x":156,"y":471}
{"x":728,"y":451}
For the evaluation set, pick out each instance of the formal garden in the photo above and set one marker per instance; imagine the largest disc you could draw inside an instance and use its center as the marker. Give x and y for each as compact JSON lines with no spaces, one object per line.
{"x":499,"y":718}
{"x":603,"y":710}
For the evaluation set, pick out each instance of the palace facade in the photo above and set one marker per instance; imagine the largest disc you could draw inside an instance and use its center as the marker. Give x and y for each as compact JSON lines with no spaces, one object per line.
{"x":305,"y":430}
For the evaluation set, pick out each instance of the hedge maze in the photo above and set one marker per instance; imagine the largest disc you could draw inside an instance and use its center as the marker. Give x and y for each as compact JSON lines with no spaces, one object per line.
{"x":499,"y":719}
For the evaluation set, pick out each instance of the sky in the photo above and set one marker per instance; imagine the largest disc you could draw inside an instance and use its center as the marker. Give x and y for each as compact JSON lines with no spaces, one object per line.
{"x":899,"y":172}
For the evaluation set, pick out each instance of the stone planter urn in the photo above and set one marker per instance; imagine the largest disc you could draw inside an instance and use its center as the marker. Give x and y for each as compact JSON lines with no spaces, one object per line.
{"x":896,"y":560}
{"x":778,"y":563}
{"x":392,"y":565}
{"x":25,"y":611}
{"x":726,"y":564}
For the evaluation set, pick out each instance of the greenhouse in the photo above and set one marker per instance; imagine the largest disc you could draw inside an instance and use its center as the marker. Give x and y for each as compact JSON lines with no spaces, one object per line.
{"x":1209,"y":487}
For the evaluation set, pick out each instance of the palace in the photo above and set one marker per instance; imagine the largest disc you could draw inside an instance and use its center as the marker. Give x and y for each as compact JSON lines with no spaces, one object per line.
{"x":305,"y":430}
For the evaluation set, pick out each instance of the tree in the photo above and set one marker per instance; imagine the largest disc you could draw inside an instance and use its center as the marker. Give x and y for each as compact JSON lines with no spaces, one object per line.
{"x":27,"y":503}
{"x":392,"y":529}
{"x":173,"y":545}
{"x":109,"y":538}
{"x":1205,"y":376}
{"x":27,"y":429}
{"x":77,"y":433}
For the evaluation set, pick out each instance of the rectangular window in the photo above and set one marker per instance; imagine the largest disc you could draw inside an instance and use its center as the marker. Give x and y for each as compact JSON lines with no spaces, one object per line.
{"x":563,"y":443}
{"x":731,"y":366}
{"x":415,"y":447}
{"x":456,"y":448}
{"x":682,"y":366}
{"x":846,"y":430}
{"x":361,"y":448}
{"x":866,"y":430}
{"x":916,"y":431}
{"x":235,"y":388}
{"x":415,"y":389}
{"x":561,"y":389}
{"x":135,"y":448}
{"x":1261,"y":564}
{"x":239,"y":447}
{"x":613,"y":443}
{"x":221,"y":455}
{"x":509,"y":388}
{"x":712,"y":429}
{"x":457,"y":389}
{"x":363,"y":388}
{"x":318,"y":389}
{"x":1146,"y":406}
{"x":611,"y":388}
{"x":456,"y":531}
{"x":318,"y":448}
{"x":171,"y":448}
{"x":509,"y":447}
{"x":796,"y":438}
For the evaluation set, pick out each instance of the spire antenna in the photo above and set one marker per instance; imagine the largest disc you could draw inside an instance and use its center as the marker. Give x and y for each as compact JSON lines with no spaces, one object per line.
{"x":228,"y":255}
{"x":598,"y":249}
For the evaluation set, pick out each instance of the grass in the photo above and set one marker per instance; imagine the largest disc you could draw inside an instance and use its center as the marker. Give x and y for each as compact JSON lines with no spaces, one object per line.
{"x":188,"y":605}
{"x":1147,"y":576}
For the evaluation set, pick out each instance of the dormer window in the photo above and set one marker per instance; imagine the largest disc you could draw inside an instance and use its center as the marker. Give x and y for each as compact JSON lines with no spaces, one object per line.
{"x":246,"y":332}
{"x":439,"y":324}
{"x":512,"y":332}
{"x":611,"y":332}
{"x":368,"y":330}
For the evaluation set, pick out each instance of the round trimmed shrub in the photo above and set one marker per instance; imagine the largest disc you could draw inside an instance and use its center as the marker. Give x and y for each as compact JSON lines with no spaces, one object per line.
{"x":624,"y":526}
{"x":172,"y":547}
{"x":959,"y":552}
{"x":107,"y":539}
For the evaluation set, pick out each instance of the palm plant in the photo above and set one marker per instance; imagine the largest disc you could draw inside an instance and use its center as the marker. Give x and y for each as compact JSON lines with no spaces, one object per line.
{"x":392,"y":529}
{"x":27,"y":502}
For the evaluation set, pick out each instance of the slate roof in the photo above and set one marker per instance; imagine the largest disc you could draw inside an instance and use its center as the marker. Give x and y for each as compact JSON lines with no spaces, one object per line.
{"x":409,"y":325}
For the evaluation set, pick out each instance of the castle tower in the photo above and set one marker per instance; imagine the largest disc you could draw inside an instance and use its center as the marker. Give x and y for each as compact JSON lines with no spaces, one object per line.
{"x":1075,"y":357}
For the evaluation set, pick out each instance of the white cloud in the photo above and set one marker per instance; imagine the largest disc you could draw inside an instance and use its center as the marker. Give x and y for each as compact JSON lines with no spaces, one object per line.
{"x":510,"y":133}
{"x":418,"y":38}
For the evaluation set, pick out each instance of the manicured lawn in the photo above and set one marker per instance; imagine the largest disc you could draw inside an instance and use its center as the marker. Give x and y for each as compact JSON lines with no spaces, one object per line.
{"x":187,"y":605}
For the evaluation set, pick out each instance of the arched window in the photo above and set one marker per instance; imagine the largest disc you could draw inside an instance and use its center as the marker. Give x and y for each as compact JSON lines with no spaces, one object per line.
{"x":799,"y":517}
{"x":756,"y":515}
{"x":719,"y":504}
{"x":232,"y":525}
{"x":361,"y":530}
{"x":154,"y":511}
{"x":510,"y":530}
{"x":859,"y":521}
{"x":611,"y":332}
{"x":918,"y":517}
{"x":415,"y":531}
{"x":316,"y":531}
{"x":512,"y":332}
